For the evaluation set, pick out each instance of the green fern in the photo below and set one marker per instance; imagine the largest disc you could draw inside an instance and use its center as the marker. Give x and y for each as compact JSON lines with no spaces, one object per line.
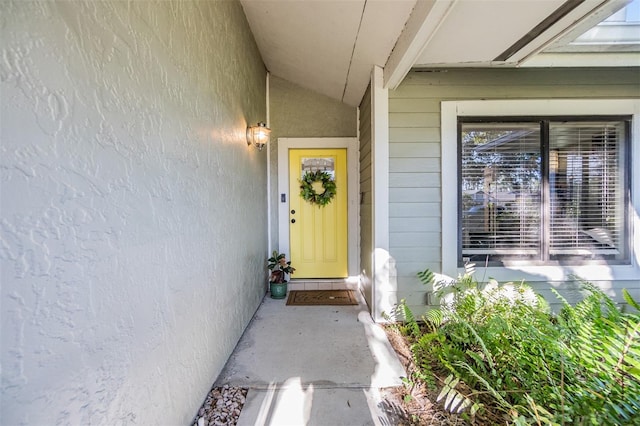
{"x":408,"y":324}
{"x":469,"y":269}
{"x":454,"y":400}
{"x":604,"y":344}
{"x":427,"y":277}
{"x":581,"y":366}
{"x":630,"y":300}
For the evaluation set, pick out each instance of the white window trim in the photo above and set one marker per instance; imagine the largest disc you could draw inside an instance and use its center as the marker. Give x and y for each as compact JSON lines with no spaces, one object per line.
{"x":451,"y":110}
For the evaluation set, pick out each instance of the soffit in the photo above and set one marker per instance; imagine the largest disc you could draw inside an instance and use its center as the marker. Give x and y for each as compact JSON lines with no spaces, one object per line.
{"x":331,"y":46}
{"x":476,"y":32}
{"x":328,"y":46}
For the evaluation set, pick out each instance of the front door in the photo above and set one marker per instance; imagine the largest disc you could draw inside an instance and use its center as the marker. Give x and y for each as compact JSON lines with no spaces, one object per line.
{"x":318,"y":234}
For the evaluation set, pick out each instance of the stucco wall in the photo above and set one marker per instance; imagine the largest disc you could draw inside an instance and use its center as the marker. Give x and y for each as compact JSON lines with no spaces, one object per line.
{"x":133,"y":233}
{"x":296,"y":112}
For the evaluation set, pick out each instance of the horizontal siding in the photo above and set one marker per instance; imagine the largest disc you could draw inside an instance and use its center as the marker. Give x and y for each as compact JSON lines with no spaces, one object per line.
{"x":414,"y":164}
{"x":414,"y":180}
{"x":523,"y":77}
{"x":413,"y":239}
{"x":506,"y":92}
{"x":365,"y":179}
{"x":413,"y":224}
{"x":416,"y":254}
{"x":366,"y":213}
{"x":365,"y":148}
{"x":420,"y":105}
{"x":417,"y":165}
{"x":421,"y":134}
{"x":408,"y":270}
{"x":414,"y":195}
{"x":414,"y":210}
{"x":365,"y":156}
{"x":411,"y":150}
{"x":412,"y":119}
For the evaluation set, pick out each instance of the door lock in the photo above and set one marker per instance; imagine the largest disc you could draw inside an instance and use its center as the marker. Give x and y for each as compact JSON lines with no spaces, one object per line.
{"x":293,"y":221}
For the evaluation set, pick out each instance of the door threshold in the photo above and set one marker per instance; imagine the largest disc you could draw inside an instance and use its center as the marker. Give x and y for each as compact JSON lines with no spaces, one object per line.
{"x":322,"y":284}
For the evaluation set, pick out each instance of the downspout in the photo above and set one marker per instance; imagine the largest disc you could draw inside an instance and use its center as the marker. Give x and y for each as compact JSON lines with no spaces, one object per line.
{"x":358,"y":246}
{"x":269,"y":198}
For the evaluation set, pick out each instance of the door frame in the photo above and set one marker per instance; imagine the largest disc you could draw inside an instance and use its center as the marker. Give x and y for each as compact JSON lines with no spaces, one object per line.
{"x":353,"y":183}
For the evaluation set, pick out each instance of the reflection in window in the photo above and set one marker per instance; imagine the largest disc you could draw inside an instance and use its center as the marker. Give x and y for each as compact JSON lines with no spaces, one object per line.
{"x":501,"y":184}
{"x":313,"y":164}
{"x":587,"y":189}
{"x":543,"y":190}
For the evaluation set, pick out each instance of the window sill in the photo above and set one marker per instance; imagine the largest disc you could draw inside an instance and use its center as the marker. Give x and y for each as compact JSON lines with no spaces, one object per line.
{"x":538,"y":273}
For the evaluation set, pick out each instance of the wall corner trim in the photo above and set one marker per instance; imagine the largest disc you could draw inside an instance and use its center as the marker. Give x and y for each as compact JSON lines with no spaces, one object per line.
{"x":384,"y":283}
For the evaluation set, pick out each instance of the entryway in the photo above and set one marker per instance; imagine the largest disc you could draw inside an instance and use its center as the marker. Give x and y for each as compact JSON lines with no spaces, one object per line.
{"x":319,"y":237}
{"x":313,"y":365}
{"x":318,"y":225}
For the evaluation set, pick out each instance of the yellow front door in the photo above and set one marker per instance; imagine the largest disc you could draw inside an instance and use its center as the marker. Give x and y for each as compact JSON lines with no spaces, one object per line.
{"x":318,"y":234}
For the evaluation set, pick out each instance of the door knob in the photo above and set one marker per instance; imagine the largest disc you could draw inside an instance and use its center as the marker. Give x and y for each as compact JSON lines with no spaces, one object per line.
{"x":293,"y":221}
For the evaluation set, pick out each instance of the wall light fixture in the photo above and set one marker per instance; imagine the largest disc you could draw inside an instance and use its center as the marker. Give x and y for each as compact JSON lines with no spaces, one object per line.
{"x":258,"y":135}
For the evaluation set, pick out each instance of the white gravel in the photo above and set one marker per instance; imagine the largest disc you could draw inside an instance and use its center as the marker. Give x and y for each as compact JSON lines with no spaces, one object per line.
{"x":221,"y":407}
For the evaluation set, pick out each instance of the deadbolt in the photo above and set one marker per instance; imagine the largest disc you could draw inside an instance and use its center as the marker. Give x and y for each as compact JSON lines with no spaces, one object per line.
{"x":293,"y":212}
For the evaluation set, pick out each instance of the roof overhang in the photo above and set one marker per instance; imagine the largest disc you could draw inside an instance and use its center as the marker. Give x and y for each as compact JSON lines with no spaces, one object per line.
{"x":331,"y":46}
{"x":492,"y":33}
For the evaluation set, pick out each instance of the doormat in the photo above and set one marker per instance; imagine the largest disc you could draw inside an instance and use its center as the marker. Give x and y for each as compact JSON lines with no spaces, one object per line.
{"x":321,"y":297}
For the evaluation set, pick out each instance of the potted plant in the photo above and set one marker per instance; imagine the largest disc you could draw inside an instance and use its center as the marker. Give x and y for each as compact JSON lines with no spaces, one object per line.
{"x":279,"y":267}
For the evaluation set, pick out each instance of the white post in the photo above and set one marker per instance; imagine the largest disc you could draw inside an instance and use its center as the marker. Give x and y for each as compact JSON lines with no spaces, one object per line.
{"x":384,"y":283}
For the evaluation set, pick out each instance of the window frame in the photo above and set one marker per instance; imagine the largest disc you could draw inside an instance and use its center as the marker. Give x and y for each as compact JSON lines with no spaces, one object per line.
{"x":451,"y":110}
{"x":544,"y":123}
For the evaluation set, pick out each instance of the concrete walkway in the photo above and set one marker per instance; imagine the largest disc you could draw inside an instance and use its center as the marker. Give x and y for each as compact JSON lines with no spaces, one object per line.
{"x":312,"y":365}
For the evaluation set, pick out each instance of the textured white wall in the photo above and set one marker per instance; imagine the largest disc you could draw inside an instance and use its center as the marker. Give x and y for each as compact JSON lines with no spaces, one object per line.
{"x":133,"y":232}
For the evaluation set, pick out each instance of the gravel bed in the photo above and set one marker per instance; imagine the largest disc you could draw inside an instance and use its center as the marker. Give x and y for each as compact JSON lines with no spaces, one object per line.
{"x":221,"y":407}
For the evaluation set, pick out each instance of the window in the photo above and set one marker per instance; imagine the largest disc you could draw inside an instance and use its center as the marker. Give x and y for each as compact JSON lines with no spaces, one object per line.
{"x":544,"y":190}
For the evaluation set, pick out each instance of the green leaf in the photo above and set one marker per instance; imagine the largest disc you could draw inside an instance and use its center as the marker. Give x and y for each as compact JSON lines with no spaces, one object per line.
{"x":474,"y":408}
{"x":443,"y":393}
{"x":629,"y":299}
{"x":467,"y":402}
{"x":426,"y":277}
{"x":449,"y":384}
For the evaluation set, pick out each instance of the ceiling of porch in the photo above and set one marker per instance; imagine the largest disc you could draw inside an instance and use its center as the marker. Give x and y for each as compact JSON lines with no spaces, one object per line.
{"x":330,"y":46}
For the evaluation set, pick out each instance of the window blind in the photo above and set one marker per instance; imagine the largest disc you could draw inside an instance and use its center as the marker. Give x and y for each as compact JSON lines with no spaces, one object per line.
{"x":501,"y":189}
{"x":548,"y":189}
{"x":586,"y":181}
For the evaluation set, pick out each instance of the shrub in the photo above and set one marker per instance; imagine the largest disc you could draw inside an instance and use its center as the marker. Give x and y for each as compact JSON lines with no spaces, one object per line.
{"x":501,"y":341}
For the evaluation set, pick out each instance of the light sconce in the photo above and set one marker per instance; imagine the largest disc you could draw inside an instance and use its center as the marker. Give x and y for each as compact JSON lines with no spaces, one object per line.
{"x":258,"y":135}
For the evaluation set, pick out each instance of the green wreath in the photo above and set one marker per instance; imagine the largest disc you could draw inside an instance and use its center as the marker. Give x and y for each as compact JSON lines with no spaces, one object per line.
{"x":309,"y":194}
